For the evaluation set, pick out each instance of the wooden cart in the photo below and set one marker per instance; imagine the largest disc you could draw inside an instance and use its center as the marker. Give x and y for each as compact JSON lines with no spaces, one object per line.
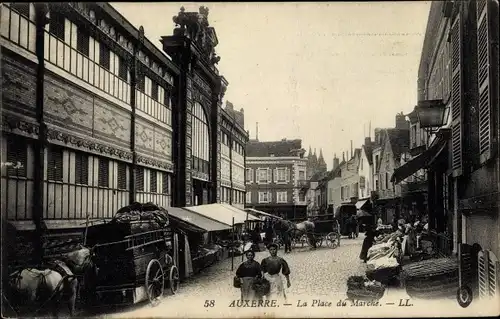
{"x":134,"y":262}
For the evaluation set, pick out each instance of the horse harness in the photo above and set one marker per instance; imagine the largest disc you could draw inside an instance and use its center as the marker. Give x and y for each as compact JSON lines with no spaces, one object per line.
{"x":55,"y":265}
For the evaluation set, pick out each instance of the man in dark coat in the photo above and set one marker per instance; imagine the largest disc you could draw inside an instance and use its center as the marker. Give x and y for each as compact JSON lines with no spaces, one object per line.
{"x":368,"y":242}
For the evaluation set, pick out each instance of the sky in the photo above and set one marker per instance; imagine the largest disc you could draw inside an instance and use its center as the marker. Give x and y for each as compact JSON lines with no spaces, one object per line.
{"x":320,"y":72}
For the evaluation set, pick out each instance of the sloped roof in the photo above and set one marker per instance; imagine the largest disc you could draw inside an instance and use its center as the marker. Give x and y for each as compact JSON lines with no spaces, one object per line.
{"x":369,"y":152}
{"x":277,"y":148}
{"x":318,"y":176}
{"x":400,"y":141}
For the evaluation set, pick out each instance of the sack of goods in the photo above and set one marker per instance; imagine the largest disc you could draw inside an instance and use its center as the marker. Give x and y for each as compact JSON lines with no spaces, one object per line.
{"x":236,"y":282}
{"x":382,"y":262}
{"x":378,"y":250}
{"x":261,"y":286}
{"x":361,"y":288}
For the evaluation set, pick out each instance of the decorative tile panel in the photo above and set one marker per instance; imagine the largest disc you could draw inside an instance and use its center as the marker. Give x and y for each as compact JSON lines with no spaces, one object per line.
{"x":18,"y":85}
{"x":67,"y":104}
{"x":144,"y":135}
{"x":111,"y":120}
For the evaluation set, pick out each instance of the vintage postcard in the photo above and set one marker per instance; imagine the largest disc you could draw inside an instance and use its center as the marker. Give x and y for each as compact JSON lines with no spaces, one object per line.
{"x":250,"y":160}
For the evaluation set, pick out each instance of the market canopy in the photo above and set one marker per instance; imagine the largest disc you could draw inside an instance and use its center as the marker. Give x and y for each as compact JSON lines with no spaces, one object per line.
{"x":361,"y":203}
{"x":423,"y":160}
{"x":248,"y":216}
{"x":199,"y":222}
{"x":220,"y":213}
{"x":261,"y":213}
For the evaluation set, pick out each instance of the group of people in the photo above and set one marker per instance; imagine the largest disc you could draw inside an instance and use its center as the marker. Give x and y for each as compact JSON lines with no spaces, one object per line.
{"x":269,"y":269}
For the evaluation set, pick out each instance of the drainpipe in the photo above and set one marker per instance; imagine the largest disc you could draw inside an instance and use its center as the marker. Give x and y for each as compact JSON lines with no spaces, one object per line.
{"x":39,"y":156}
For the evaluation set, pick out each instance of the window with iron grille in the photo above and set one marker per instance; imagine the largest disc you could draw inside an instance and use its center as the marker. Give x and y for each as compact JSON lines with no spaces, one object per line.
{"x":83,"y":43}
{"x":122,"y":176}
{"x":167,"y":97}
{"x":141,"y":82}
{"x":104,"y":56}
{"x":154,"y":91}
{"x":103,"y":172}
{"x":22,"y":8}
{"x":139,"y":179}
{"x":122,"y":69}
{"x":153,"y":181}
{"x":81,"y":169}
{"x":17,"y":157}
{"x":164,"y":183}
{"x":56,"y":25}
{"x":55,"y":164}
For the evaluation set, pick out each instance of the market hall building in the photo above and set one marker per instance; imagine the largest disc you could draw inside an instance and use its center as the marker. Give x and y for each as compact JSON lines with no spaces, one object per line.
{"x":94,"y":116}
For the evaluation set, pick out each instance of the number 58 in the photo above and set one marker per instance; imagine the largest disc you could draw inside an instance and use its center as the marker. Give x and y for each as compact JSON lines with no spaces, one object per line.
{"x":209,"y":303}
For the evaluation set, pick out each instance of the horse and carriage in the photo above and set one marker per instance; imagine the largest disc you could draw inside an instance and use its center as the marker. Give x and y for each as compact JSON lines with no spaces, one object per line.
{"x":125,"y":261}
{"x":325,"y":228}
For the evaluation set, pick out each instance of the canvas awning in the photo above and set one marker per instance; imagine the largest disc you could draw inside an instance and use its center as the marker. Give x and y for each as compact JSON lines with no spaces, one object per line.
{"x":423,"y":160}
{"x":196,"y":220}
{"x":250,"y":217}
{"x":261,"y":213}
{"x":219,"y":213}
{"x":361,"y":203}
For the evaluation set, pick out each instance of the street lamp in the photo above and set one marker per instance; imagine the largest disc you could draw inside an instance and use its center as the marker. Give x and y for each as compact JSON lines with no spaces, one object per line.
{"x":431,"y":113}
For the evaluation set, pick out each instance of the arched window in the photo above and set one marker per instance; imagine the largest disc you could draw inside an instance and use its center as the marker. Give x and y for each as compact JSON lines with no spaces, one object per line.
{"x":200,"y":140}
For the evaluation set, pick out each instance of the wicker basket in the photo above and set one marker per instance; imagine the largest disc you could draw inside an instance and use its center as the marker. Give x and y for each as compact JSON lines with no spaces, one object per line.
{"x":356,"y":289}
{"x":383,"y":275}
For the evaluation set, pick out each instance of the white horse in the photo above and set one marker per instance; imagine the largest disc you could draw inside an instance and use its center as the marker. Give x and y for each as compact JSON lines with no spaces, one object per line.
{"x":34,"y":291}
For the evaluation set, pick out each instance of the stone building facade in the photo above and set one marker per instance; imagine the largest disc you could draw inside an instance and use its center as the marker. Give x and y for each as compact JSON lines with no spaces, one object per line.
{"x":276,"y":172}
{"x":94,"y":116}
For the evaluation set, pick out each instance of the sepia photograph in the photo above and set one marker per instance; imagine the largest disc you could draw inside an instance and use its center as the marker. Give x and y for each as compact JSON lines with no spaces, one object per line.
{"x":250,"y":159}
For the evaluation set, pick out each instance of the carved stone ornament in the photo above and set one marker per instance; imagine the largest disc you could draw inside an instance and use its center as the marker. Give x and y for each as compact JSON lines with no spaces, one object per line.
{"x":87,"y":144}
{"x":12,"y":123}
{"x":195,"y":26}
{"x":156,"y":163}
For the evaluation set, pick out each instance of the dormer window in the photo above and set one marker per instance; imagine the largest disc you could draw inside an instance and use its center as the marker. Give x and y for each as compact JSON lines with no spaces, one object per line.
{"x":271,"y":155}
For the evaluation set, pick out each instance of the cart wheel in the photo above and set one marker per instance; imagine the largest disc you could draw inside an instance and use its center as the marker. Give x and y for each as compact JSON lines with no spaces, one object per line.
{"x":173,"y":280}
{"x":464,"y":296}
{"x":155,"y":282}
{"x":332,"y":240}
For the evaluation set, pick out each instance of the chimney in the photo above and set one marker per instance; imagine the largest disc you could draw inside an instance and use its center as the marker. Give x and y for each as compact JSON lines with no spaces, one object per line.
{"x":257,"y":131}
{"x":351,"y":150}
{"x":378,"y":136}
{"x":343,"y":156}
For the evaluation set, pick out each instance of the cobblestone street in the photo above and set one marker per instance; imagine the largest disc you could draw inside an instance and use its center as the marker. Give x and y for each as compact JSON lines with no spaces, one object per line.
{"x":316,"y":275}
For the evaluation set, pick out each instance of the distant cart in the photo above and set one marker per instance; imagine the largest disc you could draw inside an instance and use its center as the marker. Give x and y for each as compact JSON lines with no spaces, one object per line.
{"x":133,"y":256}
{"x":326,"y":230}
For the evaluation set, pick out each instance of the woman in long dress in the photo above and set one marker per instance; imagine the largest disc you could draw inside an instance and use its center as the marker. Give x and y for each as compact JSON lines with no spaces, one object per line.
{"x":272,"y":266}
{"x":367,"y":243}
{"x":247,"y":272}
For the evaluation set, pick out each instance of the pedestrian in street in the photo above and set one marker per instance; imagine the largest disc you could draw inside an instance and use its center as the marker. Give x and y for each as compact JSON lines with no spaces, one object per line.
{"x":272,"y":266}
{"x":247,"y":272}
{"x":367,"y":243}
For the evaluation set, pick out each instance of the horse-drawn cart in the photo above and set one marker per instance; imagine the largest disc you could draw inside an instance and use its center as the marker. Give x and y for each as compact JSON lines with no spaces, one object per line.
{"x":133,"y":256}
{"x":324,"y":228}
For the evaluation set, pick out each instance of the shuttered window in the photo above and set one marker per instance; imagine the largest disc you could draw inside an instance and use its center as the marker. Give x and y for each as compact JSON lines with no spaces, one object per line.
{"x":122,"y":176}
{"x":456,"y":96}
{"x":122,"y":69}
{"x":55,"y":164}
{"x":164,"y":183}
{"x":103,"y":172}
{"x":154,"y":91}
{"x":56,"y":25}
{"x":153,"y":181}
{"x":22,"y":8}
{"x":139,"y":179}
{"x":17,"y":157}
{"x":81,"y":169}
{"x":486,"y":38}
{"x":83,"y":43}
{"x":487,"y":274}
{"x":104,"y":56}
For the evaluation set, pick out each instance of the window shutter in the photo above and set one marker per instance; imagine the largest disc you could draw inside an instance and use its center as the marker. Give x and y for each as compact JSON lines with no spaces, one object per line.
{"x":269,"y":176}
{"x":492,"y":275}
{"x":276,"y":175}
{"x":287,"y":175}
{"x":486,"y":36}
{"x":456,"y":96}
{"x":251,"y":175}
